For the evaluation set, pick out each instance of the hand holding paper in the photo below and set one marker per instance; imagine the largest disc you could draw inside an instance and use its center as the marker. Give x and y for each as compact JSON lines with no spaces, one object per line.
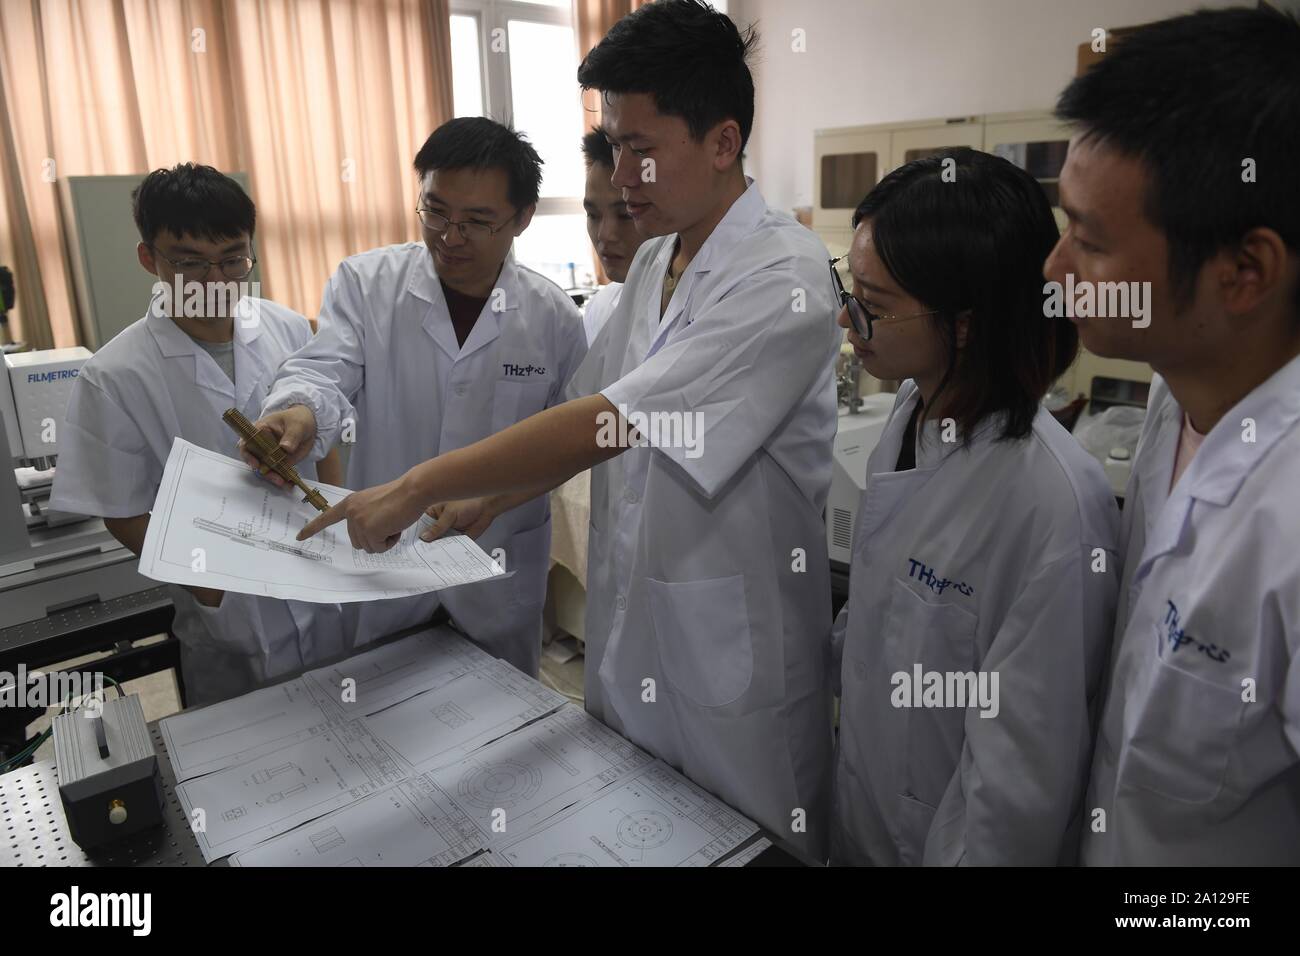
{"x":216,"y":524}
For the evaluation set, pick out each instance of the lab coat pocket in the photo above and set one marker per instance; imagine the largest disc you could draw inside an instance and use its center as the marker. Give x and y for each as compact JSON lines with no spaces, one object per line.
{"x":939,"y":635}
{"x":248,"y":627}
{"x":702,"y":629}
{"x":914,"y":821}
{"x":1183,"y":733}
{"x":224,"y":652}
{"x":528,"y":555}
{"x":933,"y":637}
{"x":513,"y":401}
{"x":227,"y":623}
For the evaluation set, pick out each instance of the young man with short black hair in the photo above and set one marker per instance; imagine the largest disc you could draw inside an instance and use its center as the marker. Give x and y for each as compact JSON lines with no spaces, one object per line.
{"x":1189,"y":185}
{"x":612,"y":231}
{"x":708,"y":590}
{"x":171,"y":375}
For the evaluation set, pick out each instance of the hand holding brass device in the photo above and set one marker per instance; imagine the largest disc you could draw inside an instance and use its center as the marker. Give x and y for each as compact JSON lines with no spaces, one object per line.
{"x":267,"y":450}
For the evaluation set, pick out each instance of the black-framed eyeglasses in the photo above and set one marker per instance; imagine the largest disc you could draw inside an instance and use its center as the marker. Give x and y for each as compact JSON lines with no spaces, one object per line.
{"x":860,"y":317}
{"x":471,"y":230}
{"x":196,"y":268}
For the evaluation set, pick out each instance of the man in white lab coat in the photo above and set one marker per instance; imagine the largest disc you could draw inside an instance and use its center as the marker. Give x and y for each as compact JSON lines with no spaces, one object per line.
{"x":708,"y":600}
{"x":1191,"y":187}
{"x":426,"y":347}
{"x":171,"y":375}
{"x":613,"y":232}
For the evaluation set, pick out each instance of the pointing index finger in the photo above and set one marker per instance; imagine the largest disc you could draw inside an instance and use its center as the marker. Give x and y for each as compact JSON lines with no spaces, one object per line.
{"x":322,"y":521}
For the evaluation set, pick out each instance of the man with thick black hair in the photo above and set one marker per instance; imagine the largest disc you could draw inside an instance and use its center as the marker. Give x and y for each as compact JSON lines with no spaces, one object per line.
{"x":710,"y":400}
{"x":1182,"y":176}
{"x":171,"y":375}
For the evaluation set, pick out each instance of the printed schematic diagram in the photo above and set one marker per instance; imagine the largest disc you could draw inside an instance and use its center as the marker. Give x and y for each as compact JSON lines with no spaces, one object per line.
{"x":644,"y":830}
{"x":500,"y":785}
{"x":243,"y":533}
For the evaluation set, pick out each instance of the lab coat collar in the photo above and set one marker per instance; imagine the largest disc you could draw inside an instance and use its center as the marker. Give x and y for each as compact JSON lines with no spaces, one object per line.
{"x":1154,"y":469}
{"x":739,"y":221}
{"x":424,"y":285}
{"x":1220,"y":466}
{"x":1225,"y":459}
{"x":887,"y":489}
{"x":932,"y":451}
{"x":250,"y":366}
{"x":174,"y":343}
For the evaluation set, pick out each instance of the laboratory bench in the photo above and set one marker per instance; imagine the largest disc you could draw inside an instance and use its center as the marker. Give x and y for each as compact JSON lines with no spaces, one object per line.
{"x":34,"y":832}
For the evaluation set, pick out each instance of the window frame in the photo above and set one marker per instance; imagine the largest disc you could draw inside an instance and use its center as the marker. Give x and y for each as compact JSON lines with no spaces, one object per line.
{"x":494,"y":70}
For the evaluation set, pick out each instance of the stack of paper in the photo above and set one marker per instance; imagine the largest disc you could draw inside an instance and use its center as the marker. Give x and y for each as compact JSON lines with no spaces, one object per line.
{"x":216,"y":524}
{"x":429,"y":752}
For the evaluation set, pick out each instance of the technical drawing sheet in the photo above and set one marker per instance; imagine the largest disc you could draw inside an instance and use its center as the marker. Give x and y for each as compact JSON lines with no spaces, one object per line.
{"x":253,"y":801}
{"x":409,"y":824}
{"x":483,"y":859}
{"x":443,"y":725}
{"x":216,"y":524}
{"x":748,"y":854}
{"x":514,"y":783}
{"x":653,"y":818}
{"x":234,"y":731}
{"x":373,"y":680}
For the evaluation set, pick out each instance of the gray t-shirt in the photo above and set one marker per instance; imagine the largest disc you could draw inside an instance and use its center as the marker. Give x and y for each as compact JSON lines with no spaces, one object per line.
{"x":224,"y":353}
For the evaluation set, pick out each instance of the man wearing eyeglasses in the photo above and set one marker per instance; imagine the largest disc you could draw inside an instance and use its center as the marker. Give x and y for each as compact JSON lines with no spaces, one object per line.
{"x":427,"y":347}
{"x":204,"y":346}
{"x":708,"y":594}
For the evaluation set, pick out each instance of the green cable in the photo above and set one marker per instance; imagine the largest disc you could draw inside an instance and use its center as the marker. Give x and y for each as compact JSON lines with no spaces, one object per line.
{"x":26,"y":752}
{"x":22,"y":755}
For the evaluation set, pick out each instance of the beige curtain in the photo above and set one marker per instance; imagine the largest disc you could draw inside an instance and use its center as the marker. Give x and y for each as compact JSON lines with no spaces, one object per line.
{"x":592,"y":20}
{"x":323,"y":102}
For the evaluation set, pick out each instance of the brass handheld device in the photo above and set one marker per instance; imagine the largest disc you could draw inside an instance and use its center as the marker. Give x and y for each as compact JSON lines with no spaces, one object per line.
{"x":267,"y":450}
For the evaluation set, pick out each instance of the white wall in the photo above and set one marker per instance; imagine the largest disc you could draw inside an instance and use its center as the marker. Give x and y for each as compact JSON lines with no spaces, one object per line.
{"x":881,"y":61}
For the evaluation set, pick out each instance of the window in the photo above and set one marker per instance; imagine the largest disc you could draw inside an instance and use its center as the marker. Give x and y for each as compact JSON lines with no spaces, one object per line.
{"x":466,"y":66}
{"x":516,"y":61}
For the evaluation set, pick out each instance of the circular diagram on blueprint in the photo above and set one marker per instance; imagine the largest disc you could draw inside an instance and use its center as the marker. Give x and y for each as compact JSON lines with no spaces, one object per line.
{"x":503,"y":785}
{"x":571,"y":859}
{"x":645,"y":830}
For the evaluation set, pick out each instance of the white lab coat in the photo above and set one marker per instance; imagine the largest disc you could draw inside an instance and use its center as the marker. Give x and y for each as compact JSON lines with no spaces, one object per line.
{"x":707,"y":575}
{"x":149,"y":385}
{"x":597,"y":310}
{"x":386,"y":357}
{"x":1187,"y":771}
{"x":981,"y":558}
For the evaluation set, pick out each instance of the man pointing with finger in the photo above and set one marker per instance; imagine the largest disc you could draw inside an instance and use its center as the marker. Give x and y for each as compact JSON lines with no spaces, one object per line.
{"x":428,"y":347}
{"x":707,"y":622}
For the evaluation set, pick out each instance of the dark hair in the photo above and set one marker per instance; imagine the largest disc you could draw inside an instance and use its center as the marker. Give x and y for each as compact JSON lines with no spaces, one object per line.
{"x":1192,"y":97}
{"x":192,"y":200}
{"x":476,"y":142}
{"x":976,"y":244}
{"x":596,"y":149}
{"x":687,"y":55}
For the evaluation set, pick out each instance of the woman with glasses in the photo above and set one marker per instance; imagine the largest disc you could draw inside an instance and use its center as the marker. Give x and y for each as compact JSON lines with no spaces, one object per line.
{"x":983,"y":576}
